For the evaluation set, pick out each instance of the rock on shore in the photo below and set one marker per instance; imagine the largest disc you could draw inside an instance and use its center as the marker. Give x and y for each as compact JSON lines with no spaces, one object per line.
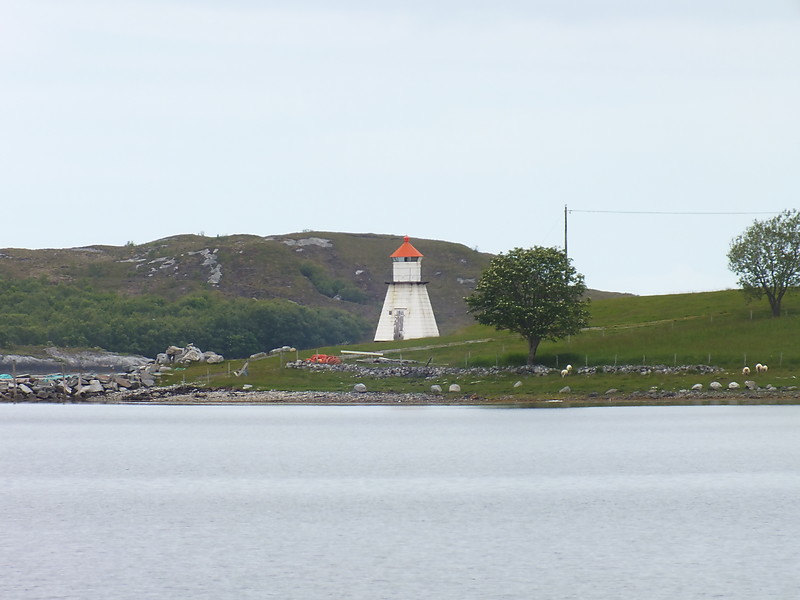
{"x":57,"y":360}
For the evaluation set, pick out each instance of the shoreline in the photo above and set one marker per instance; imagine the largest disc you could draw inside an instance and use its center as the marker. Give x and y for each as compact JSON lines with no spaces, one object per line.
{"x":196,"y":396}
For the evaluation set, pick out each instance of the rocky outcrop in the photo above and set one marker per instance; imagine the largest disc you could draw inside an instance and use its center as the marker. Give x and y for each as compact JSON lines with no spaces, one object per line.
{"x":57,"y":360}
{"x":175,"y":355}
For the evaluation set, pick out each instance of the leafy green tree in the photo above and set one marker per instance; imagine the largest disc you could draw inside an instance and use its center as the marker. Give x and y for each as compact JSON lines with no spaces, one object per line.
{"x":766,"y":257}
{"x":534,"y":292}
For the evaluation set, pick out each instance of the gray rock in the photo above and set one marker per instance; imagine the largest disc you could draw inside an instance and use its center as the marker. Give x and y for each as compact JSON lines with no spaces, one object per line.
{"x":518,"y":384}
{"x":565,"y":390}
{"x":436,"y":389}
{"x":733,"y":385}
{"x":212,"y":358}
{"x":94,"y":387}
{"x":751,"y":385}
{"x":454,"y":387}
{"x":697,"y":387}
{"x":190,"y":355}
{"x":715,"y":385}
{"x":360,"y":387}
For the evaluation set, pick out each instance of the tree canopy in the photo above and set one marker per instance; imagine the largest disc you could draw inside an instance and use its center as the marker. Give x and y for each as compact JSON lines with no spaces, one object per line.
{"x":535,"y":292}
{"x":35,"y":312}
{"x":766,"y":257}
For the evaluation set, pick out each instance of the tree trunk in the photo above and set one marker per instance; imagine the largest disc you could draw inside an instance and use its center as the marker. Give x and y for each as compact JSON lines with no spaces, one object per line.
{"x":533,"y":344}
{"x":775,"y":304}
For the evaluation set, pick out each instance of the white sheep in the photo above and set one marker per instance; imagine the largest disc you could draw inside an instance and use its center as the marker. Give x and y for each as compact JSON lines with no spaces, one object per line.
{"x":746,"y":371}
{"x":761,"y":368}
{"x":564,"y":372}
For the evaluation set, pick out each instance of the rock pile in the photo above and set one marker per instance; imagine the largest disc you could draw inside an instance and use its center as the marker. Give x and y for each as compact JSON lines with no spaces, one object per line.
{"x":188,"y":354}
{"x":62,"y":388}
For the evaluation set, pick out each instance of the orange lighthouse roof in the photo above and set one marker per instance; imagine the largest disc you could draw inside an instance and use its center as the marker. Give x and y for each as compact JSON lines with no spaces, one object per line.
{"x":406,"y":250}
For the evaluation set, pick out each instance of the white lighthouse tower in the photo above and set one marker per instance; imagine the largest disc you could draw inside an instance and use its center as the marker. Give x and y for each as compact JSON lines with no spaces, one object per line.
{"x":407,"y":313}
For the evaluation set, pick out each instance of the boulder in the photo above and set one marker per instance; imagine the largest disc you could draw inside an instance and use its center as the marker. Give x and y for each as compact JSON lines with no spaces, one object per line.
{"x":360,"y":388}
{"x":212,"y":358}
{"x":697,"y":387}
{"x":715,"y":385}
{"x":436,"y":389}
{"x":454,"y":387}
{"x":191,"y":354}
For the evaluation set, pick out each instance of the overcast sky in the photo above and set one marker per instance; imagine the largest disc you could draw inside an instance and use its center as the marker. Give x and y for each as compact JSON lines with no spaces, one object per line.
{"x":465,"y":121}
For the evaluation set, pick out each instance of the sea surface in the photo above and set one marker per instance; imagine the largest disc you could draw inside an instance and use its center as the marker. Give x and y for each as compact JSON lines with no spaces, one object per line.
{"x":235,"y":502}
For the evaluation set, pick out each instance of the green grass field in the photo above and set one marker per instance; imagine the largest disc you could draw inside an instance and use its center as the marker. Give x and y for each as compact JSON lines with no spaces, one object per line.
{"x":714,"y":328}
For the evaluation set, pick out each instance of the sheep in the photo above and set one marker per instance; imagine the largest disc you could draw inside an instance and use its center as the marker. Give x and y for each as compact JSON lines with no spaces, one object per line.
{"x":761,"y":368}
{"x":564,"y":372}
{"x":569,"y":368}
{"x":746,"y":371}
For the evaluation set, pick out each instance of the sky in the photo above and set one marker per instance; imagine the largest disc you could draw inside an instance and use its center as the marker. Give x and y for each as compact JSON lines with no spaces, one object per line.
{"x":656,"y":131}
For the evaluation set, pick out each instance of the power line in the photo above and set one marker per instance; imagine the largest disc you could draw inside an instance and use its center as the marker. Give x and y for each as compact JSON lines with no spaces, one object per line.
{"x":667,"y":212}
{"x":652,"y":212}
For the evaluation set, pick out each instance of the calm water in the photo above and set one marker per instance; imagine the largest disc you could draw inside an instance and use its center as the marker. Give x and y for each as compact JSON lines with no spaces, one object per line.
{"x":139,"y":502}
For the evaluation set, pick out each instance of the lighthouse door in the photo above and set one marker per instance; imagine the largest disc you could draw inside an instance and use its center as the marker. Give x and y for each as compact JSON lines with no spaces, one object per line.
{"x":399,"y":317}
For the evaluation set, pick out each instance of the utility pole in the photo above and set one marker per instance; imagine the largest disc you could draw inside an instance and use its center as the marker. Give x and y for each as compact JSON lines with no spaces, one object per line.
{"x":565,"y":231}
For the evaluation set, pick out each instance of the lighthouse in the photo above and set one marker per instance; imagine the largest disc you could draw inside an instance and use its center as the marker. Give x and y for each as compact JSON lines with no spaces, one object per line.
{"x":407,"y":313}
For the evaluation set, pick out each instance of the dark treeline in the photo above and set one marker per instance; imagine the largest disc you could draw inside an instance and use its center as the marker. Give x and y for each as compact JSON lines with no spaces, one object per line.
{"x":35,"y":312}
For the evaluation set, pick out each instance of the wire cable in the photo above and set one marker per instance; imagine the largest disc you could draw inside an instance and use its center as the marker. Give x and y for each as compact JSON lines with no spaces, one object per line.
{"x":666,"y":212}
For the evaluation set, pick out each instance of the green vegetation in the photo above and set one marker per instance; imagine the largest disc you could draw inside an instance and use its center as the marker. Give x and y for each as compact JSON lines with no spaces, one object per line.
{"x":534,"y":292}
{"x":716,"y":328}
{"x":767,"y":258}
{"x":332,"y":287}
{"x":35,"y":312}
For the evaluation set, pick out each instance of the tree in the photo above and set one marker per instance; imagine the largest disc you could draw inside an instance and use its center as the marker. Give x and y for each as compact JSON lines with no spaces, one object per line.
{"x":534,"y":292}
{"x":766,"y":257}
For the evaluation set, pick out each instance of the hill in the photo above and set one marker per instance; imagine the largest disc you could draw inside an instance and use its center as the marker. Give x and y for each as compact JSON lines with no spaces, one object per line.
{"x":328,"y":270}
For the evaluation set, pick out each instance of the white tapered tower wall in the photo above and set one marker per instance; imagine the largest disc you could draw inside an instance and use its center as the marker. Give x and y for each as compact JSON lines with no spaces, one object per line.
{"x":407,"y":313}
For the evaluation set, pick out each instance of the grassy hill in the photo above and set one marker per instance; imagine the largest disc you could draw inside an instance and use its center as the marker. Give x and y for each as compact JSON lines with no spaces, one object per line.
{"x":316,"y":269}
{"x":715,"y":328}
{"x":263,"y":268}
